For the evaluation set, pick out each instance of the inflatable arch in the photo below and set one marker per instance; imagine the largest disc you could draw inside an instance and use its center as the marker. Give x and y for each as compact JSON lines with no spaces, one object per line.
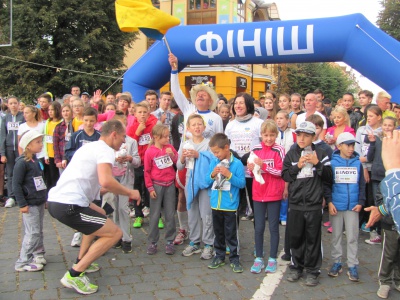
{"x":351,"y":39}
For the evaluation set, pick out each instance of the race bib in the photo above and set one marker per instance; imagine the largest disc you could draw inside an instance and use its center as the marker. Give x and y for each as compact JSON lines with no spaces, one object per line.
{"x":269,"y":162}
{"x":346,"y":175}
{"x":364,"y":150}
{"x":225,"y":186}
{"x":67,"y":137}
{"x":242,"y":147}
{"x":49,"y":139}
{"x":144,"y":139}
{"x":12,"y":126}
{"x":163,"y":162}
{"x":39,"y":183}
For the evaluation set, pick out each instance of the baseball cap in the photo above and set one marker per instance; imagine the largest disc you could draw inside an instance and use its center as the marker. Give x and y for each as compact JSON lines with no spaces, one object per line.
{"x":306,"y":127}
{"x":28,"y":137}
{"x":85,"y":93}
{"x":345,"y":138}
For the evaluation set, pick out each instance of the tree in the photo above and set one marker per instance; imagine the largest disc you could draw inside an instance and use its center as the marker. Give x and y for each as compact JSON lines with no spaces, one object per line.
{"x":389,"y":18}
{"x":305,"y":78}
{"x":76,"y":35}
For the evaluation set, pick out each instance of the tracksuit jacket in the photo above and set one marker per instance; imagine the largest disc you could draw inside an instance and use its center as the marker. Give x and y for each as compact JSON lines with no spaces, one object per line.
{"x":9,"y":138}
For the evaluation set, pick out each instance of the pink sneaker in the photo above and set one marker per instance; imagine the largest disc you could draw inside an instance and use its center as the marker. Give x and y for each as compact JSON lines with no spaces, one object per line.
{"x":330,"y":229}
{"x":181,"y":237}
{"x":377,"y":240}
{"x":327,"y":224}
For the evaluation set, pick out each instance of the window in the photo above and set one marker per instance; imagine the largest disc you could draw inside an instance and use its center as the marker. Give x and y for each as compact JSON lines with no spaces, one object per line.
{"x":241,"y":11}
{"x":202,"y":12}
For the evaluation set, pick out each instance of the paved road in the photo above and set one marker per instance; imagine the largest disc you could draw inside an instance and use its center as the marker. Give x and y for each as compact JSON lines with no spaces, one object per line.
{"x":140,"y":276}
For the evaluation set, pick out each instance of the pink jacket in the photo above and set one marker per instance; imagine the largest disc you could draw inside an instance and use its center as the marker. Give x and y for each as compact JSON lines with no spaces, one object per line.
{"x":158,"y":166}
{"x":331,"y":130}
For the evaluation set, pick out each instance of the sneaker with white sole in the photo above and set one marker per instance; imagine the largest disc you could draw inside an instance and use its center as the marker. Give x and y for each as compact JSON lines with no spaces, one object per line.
{"x":81,"y":284}
{"x":181,"y":237}
{"x":375,"y":238}
{"x":257,"y":266}
{"x":94,"y":267}
{"x":208,"y":252}
{"x":32,"y":267}
{"x":40,"y":260}
{"x":146,"y":211}
{"x":191,"y":249}
{"x":383,"y":291}
{"x":272,"y":265}
{"x":9,"y":203}
{"x":132,"y":213}
{"x":76,"y":239}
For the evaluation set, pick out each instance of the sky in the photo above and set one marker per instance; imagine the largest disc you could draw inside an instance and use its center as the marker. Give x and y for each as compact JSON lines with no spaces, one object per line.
{"x":311,"y":9}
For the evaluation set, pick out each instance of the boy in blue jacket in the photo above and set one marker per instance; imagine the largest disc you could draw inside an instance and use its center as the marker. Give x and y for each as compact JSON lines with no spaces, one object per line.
{"x":348,"y":197}
{"x":226,"y":177}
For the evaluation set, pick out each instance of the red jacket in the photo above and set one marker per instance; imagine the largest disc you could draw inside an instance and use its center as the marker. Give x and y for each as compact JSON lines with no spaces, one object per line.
{"x":144,"y":139}
{"x":272,"y":189}
{"x":164,"y":176}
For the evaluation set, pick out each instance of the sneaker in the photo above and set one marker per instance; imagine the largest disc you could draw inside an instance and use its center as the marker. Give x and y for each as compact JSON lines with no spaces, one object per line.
{"x":132,"y":213}
{"x":32,"y":267}
{"x":227,"y":250}
{"x":330,"y":230}
{"x":257,"y":266}
{"x":146,"y":211}
{"x":312,"y":280}
{"x":365,"y":229}
{"x":353,"y":273}
{"x":170,"y":249}
{"x":207,"y":253}
{"x":118,"y":245}
{"x":191,"y":249}
{"x":294,"y":276}
{"x":126,"y":247}
{"x":327,"y":224}
{"x":271,"y":266}
{"x":94,"y":267}
{"x":237,"y":267}
{"x":76,"y":239}
{"x":383,"y":291}
{"x":246,"y":218}
{"x":152,"y":249}
{"x":375,"y":240}
{"x":283,"y":223}
{"x":40,"y":260}
{"x":286,"y":257}
{"x":138,"y":222}
{"x":160,"y":224}
{"x":181,"y":237}
{"x":81,"y":284}
{"x":216,"y":263}
{"x":335,"y":270}
{"x":9,"y":203}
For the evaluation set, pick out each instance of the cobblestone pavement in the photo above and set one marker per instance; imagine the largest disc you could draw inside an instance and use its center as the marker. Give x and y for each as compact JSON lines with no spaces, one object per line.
{"x":139,"y":276}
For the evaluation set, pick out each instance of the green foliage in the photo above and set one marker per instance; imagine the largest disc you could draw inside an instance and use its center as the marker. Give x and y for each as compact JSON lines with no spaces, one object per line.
{"x":305,"y":78}
{"x":76,"y":35}
{"x":389,"y":18}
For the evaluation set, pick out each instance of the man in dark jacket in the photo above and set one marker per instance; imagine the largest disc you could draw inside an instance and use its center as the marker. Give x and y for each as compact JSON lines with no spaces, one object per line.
{"x":307,"y":169}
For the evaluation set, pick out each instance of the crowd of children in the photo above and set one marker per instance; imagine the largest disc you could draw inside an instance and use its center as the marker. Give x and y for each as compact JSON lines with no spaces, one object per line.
{"x":211,"y":160}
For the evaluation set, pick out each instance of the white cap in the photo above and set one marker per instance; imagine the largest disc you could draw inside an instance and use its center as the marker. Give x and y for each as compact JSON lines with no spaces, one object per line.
{"x":28,"y":137}
{"x":345,"y":138}
{"x":306,"y":127}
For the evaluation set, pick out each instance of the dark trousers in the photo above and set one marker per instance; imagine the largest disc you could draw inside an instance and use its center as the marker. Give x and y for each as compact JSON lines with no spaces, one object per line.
{"x":305,"y":240}
{"x":225,"y":230}
{"x":376,"y":192}
{"x":286,"y":246}
{"x":51,"y":174}
{"x":261,"y":209}
{"x":11,"y":156}
{"x":144,"y":193}
{"x":389,"y":268}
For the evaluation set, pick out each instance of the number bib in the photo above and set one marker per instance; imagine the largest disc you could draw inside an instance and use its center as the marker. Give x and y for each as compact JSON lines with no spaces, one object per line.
{"x":364,"y":150}
{"x":12,"y":126}
{"x":49,"y":139}
{"x":346,"y":175}
{"x":163,"y":162}
{"x":144,"y":139}
{"x":39,"y":183}
{"x":67,"y":136}
{"x":242,"y":148}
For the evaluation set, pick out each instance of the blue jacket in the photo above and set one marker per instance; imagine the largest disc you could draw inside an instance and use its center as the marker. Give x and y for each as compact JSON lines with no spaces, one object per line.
{"x":390,"y":189}
{"x":345,"y":196}
{"x":197,"y":176}
{"x":227,"y":200}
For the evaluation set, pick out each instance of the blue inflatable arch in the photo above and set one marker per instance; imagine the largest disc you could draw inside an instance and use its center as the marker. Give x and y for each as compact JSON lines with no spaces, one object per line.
{"x":351,"y":39}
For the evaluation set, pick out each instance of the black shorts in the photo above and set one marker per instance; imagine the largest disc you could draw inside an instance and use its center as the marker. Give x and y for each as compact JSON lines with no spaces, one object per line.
{"x":82,"y":219}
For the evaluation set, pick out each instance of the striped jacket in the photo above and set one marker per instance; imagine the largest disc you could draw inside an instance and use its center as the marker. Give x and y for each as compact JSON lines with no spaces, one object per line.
{"x":272,"y":189}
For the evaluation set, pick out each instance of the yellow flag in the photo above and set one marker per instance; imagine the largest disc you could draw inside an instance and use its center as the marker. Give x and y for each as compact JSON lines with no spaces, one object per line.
{"x":134,"y":15}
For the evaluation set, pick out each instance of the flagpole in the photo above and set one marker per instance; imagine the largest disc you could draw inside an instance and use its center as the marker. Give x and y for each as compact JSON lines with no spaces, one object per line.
{"x":169,"y":49}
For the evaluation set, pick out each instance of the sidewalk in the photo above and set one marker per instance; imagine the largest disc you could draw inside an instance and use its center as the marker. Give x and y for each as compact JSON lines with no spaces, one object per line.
{"x":139,"y":276}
